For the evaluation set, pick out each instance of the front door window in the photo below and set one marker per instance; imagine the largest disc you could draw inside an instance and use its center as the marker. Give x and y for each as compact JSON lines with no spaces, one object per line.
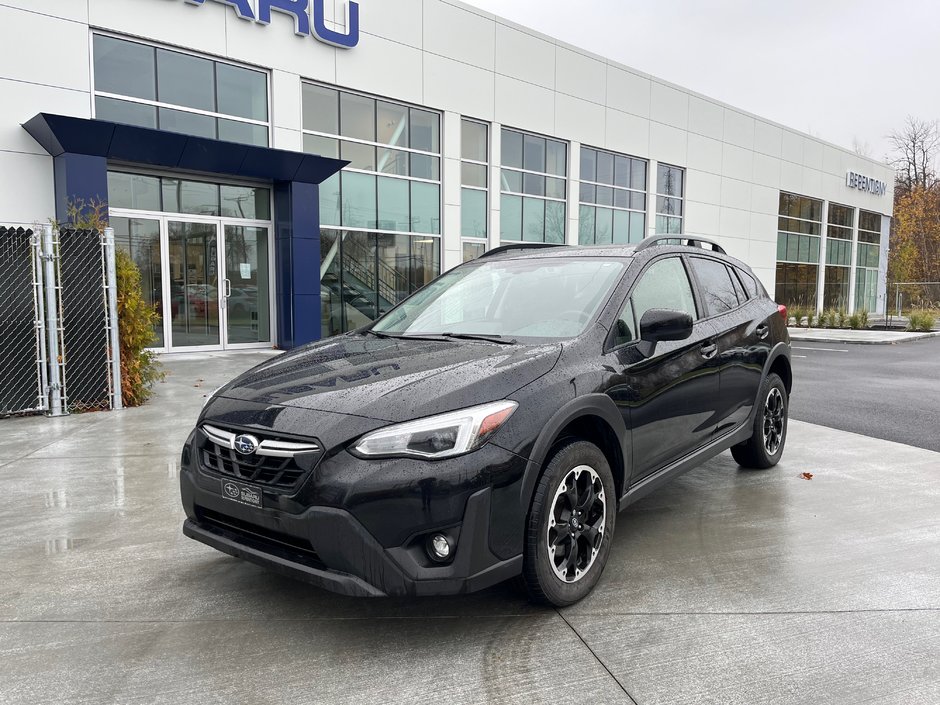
{"x":246,"y":289}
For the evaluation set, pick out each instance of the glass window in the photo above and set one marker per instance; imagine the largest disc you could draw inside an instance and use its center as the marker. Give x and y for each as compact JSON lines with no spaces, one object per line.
{"x":394,"y":207}
{"x":625,"y":329}
{"x":124,"y":112}
{"x":715,"y":285}
{"x":588,"y":164}
{"x":473,"y":174}
{"x":185,"y":80}
{"x":604,"y":226}
{"x":611,"y":175}
{"x":175,"y":85}
{"x":669,"y":181}
{"x":472,"y":250}
{"x":586,"y":225}
{"x":473,"y":213}
{"x":392,"y":275}
{"x":664,"y":284}
{"x":425,"y":260}
{"x":548,"y":298}
{"x":248,"y":202}
{"x":385,"y":139}
{"x":670,"y":184}
{"x":543,"y":210}
{"x":125,"y":68}
{"x":140,"y":238}
{"x":796,"y":284}
{"x":473,"y":142}
{"x":243,"y":132}
{"x":134,"y":191}
{"x":196,"y":197}
{"x":392,"y":124}
{"x":425,"y":130}
{"x":359,"y":200}
{"x":605,"y":167}
{"x":750,"y":284}
{"x":425,"y":208}
{"x":187,"y":123}
{"x":242,"y":92}
{"x":510,"y":219}
{"x":320,"y":109}
{"x":357,"y":117}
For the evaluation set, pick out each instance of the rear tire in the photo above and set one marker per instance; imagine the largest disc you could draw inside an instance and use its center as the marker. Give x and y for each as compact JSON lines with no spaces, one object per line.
{"x":765,"y":446}
{"x":570,"y":525}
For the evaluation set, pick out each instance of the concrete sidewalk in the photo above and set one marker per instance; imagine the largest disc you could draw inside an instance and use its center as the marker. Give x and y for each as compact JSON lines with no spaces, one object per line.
{"x":725,"y":586}
{"x":864,"y":337}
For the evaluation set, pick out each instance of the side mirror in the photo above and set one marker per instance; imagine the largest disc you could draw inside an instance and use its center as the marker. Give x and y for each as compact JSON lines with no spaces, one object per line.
{"x":659,"y":324}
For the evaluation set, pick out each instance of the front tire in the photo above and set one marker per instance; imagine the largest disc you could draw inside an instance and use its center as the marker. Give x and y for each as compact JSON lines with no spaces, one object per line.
{"x":765,"y":446}
{"x":570,"y":525}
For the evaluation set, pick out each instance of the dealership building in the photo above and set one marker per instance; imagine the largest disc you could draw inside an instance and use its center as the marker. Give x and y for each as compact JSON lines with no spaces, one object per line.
{"x":283,"y":170}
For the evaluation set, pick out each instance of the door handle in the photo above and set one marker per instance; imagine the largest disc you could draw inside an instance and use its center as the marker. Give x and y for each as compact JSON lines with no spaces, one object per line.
{"x":709,"y":351}
{"x":227,"y":288}
{"x":763,"y":331}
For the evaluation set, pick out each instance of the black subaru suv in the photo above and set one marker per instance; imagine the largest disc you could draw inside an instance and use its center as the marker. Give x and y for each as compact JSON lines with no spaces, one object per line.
{"x":494,"y":423}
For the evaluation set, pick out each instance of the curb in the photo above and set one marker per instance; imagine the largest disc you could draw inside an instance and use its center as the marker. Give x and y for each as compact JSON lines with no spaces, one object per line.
{"x":810,"y":338}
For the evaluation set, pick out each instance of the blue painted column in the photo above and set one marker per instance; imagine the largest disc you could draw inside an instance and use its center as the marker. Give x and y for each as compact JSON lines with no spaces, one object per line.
{"x":297,"y":262}
{"x":79,"y":177}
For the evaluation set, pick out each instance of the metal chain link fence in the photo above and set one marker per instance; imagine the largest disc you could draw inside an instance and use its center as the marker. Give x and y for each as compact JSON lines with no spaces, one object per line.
{"x":22,"y":340}
{"x":58,"y":321}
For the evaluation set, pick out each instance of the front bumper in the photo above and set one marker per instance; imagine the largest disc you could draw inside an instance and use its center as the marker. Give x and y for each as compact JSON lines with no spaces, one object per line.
{"x":372,"y":545}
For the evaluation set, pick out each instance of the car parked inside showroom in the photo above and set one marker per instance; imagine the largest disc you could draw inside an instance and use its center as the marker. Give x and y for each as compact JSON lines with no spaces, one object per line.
{"x":494,"y":423}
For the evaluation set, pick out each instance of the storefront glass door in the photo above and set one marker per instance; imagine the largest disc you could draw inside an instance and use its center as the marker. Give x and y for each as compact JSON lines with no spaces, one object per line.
{"x":193,"y":280}
{"x":246,"y":288}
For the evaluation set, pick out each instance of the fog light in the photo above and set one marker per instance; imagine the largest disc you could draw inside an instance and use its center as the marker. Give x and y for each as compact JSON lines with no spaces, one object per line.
{"x":440,"y":548}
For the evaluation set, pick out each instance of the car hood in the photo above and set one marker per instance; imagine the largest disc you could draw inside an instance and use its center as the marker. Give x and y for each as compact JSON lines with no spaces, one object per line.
{"x":392,"y":379}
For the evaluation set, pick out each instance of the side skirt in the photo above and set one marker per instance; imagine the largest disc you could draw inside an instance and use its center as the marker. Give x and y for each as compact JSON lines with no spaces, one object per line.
{"x":683,"y":465}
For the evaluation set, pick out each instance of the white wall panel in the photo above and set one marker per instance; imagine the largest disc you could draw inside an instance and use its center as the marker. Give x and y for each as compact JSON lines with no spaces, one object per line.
{"x":628,"y":92}
{"x":764,"y":229}
{"x":285,"y":138}
{"x":21,"y":101}
{"x":702,"y":186}
{"x":627,"y":133}
{"x":459,"y":34}
{"x":702,"y":218}
{"x":524,"y":106}
{"x":25,"y":58}
{"x":250,"y":43}
{"x":791,"y":177}
{"x":812,"y":153}
{"x":737,"y":162}
{"x":384,"y":68}
{"x":792,"y":147}
{"x":398,"y":21}
{"x":76,"y":11}
{"x":812,"y":182}
{"x":706,"y":118}
{"x":668,"y":144}
{"x":768,"y":139}
{"x":704,"y":153}
{"x":766,"y":170}
{"x":765,"y":199}
{"x":524,"y":57}
{"x":578,"y":119}
{"x":735,"y":193}
{"x":833,"y":162}
{"x":285,"y":103}
{"x":739,"y":129}
{"x":453,"y":85}
{"x":26,"y":189}
{"x":580,"y":76}
{"x":669,"y":106}
{"x":735,"y":222}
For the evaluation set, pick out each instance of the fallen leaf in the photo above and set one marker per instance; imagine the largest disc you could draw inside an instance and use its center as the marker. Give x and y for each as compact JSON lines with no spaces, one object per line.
{"x":807,"y":476}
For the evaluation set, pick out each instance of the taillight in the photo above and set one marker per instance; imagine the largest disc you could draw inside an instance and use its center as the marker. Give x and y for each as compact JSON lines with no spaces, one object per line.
{"x":782,"y":310}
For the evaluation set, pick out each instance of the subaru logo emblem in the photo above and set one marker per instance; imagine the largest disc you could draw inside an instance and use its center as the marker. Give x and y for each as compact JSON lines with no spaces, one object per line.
{"x":245,"y":444}
{"x":231,"y":489}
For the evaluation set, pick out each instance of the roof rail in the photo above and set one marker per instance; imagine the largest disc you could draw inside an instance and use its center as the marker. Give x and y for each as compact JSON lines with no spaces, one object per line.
{"x":682,"y":241}
{"x":519,"y":246}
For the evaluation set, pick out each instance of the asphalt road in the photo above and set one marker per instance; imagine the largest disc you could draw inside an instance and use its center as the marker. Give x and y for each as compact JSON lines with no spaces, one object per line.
{"x":883,"y":391}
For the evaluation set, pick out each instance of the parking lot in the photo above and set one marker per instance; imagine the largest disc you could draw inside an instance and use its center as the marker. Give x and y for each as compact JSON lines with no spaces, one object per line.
{"x":727,"y":586}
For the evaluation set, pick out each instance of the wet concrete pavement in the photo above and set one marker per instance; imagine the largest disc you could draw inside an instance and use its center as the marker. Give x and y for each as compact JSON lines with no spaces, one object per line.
{"x":726,"y":586}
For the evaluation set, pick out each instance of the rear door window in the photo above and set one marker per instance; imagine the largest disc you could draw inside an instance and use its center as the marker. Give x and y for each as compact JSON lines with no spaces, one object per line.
{"x":717,"y":288}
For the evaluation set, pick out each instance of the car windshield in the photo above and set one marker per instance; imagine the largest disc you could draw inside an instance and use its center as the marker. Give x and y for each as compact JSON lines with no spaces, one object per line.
{"x":545,"y":298}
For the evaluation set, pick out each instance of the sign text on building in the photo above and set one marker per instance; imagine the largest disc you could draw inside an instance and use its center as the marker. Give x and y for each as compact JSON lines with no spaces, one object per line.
{"x":864,"y":183}
{"x":309,"y":18}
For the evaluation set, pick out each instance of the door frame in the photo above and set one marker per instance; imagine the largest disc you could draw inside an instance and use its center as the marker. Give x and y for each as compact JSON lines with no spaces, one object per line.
{"x":220,"y":223}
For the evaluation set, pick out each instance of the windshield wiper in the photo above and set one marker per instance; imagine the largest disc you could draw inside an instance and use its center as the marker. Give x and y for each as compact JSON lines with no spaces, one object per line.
{"x":494,"y":338}
{"x":401,"y":336}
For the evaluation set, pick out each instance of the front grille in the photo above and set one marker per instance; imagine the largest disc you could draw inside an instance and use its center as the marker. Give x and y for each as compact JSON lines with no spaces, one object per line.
{"x":274,"y":471}
{"x":292,"y":548}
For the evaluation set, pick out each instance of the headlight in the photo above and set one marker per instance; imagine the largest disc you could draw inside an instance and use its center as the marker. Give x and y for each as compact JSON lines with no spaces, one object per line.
{"x":440,"y":436}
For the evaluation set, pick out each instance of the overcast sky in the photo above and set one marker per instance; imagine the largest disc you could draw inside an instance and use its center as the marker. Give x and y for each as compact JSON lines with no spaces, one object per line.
{"x":838,"y":69}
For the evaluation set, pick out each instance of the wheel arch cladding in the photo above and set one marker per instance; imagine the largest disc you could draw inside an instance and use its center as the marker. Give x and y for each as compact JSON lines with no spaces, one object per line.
{"x":781,"y":366}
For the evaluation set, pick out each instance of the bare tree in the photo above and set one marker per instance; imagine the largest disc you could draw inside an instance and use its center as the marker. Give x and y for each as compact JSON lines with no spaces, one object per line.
{"x":860,"y":147}
{"x":916,"y":146}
